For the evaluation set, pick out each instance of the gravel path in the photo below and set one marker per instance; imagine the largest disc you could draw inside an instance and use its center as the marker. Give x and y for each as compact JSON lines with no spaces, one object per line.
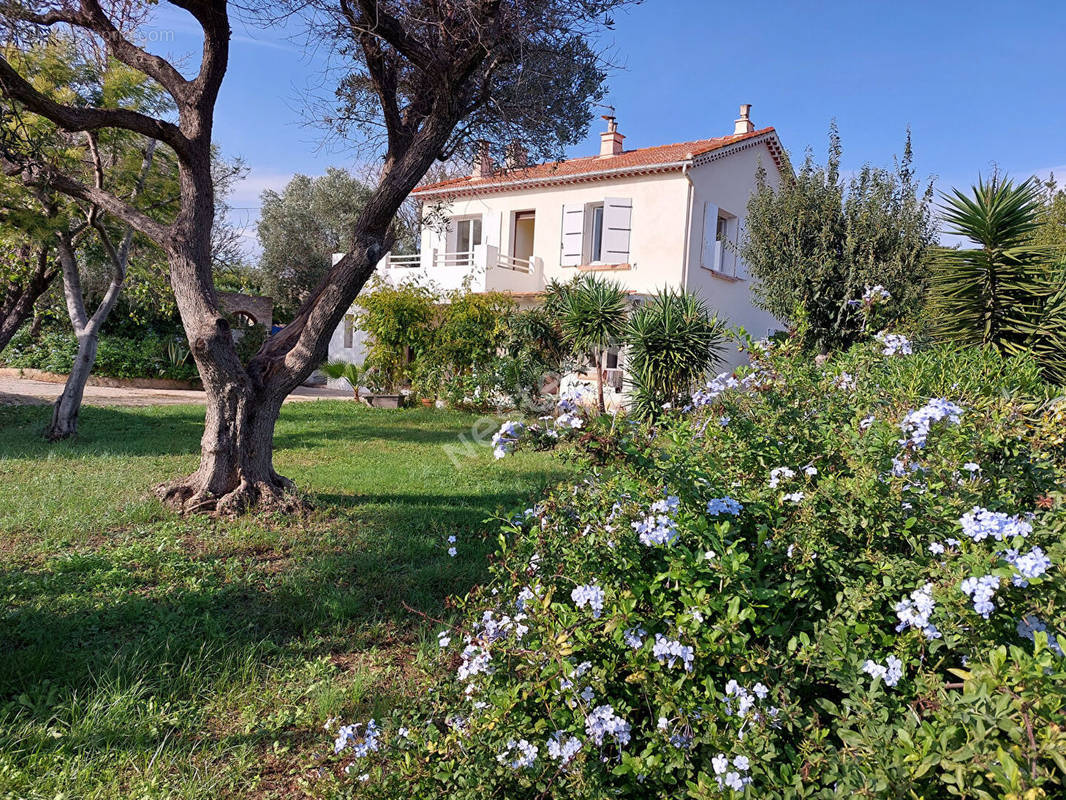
{"x":21,"y":392}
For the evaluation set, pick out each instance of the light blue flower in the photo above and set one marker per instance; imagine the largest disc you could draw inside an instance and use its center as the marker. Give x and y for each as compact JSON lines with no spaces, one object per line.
{"x":589,"y":595}
{"x":602,"y":722}
{"x":723,"y":505}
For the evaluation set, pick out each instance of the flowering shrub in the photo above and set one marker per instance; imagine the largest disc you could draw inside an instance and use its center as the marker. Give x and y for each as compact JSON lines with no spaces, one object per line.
{"x":799,"y":587}
{"x":542,"y":435}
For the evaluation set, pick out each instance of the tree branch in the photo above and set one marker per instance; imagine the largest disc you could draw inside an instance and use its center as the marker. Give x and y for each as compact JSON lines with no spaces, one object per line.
{"x":15,"y":87}
{"x":383,"y":25}
{"x":72,"y":292}
{"x":118,"y":277}
{"x":214,"y":20}
{"x":92,"y":17}
{"x":156,"y":67}
{"x":36,"y":175}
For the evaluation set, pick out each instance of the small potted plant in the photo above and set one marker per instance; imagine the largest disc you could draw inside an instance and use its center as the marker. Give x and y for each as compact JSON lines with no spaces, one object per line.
{"x":383,"y":391}
{"x":425,"y":381}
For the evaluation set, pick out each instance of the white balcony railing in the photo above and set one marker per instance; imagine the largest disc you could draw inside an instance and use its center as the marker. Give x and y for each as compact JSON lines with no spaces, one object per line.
{"x":403,"y":262}
{"x":525,"y":265}
{"x":484,"y":268}
{"x":460,"y":259}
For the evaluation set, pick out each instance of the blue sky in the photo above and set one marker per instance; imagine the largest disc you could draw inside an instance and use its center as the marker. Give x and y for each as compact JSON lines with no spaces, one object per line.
{"x":978,"y":82}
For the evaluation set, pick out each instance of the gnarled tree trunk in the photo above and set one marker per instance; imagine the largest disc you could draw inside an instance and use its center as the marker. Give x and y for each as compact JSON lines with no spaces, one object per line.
{"x":236,"y":469}
{"x":427,"y":66}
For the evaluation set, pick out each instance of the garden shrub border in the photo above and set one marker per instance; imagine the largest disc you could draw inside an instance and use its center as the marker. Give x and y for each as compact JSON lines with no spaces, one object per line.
{"x":779,"y":592}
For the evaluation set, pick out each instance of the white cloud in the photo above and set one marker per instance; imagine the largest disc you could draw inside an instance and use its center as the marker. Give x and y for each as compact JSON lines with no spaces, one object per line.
{"x":246,"y":192}
{"x":1046,"y":172}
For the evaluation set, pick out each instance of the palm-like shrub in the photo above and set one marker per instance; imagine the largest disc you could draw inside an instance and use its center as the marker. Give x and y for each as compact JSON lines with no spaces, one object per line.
{"x":593,"y":320}
{"x":1006,"y":292}
{"x":673,"y":341}
{"x":353,"y":373}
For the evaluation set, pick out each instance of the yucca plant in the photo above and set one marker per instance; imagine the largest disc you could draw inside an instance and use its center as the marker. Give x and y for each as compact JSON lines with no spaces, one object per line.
{"x":353,"y":373}
{"x":1006,"y":292}
{"x":593,"y":320}
{"x":673,"y":341}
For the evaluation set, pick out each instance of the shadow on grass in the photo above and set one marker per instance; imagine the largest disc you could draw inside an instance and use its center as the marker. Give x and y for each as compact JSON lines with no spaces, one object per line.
{"x":169,"y":430}
{"x":176,"y":430}
{"x":200,"y":621}
{"x":98,"y":618}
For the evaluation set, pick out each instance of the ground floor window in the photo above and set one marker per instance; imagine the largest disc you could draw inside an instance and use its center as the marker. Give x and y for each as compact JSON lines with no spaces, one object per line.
{"x":349,"y":330}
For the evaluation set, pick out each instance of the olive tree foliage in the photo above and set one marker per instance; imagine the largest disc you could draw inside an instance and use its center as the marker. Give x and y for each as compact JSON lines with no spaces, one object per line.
{"x":301,"y":227}
{"x":423,"y":80}
{"x":815,"y":243}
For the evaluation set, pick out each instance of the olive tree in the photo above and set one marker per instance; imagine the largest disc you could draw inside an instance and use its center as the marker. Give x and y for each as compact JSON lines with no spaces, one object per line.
{"x":301,"y":227}
{"x":432,"y":77}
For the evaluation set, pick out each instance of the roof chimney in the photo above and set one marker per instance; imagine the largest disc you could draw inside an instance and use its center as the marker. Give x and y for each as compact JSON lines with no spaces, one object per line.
{"x":517,"y":156}
{"x":482,"y":160}
{"x":610,"y":139}
{"x":744,"y":124}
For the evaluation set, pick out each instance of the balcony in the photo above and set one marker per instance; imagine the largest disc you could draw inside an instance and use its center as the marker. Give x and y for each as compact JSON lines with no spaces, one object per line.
{"x":483,"y":269}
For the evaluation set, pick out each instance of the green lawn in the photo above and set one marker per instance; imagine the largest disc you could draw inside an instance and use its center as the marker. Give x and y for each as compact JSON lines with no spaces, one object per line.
{"x":145,"y":656}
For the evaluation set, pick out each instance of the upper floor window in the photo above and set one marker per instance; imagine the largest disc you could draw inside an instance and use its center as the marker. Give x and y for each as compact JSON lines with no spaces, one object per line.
{"x":720,"y":238}
{"x":596,"y":232}
{"x":464,"y":234}
{"x":522,"y":237}
{"x":723,"y":226}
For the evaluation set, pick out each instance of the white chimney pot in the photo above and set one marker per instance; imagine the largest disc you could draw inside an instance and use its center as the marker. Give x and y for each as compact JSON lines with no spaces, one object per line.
{"x":744,"y":123}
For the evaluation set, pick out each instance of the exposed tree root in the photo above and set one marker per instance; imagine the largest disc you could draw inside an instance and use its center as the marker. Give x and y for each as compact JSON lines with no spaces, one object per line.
{"x":188,"y":496}
{"x":56,"y":433}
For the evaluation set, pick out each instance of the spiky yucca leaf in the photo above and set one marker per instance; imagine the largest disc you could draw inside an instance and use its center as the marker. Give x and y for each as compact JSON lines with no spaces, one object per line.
{"x":673,"y":342}
{"x":1006,"y":292}
{"x":593,"y":320}
{"x":594,"y":314}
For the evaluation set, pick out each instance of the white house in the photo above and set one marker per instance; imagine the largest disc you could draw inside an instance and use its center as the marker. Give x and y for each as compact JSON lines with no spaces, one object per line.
{"x":649,"y":218}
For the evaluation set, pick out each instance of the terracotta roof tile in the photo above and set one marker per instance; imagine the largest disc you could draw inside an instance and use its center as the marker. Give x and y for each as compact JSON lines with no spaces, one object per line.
{"x":645,"y":158}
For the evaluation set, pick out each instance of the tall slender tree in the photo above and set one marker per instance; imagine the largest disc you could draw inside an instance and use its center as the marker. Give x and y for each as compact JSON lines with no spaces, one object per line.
{"x":108,"y":160}
{"x":87,"y":326}
{"x":816,"y":241}
{"x":431,"y":77}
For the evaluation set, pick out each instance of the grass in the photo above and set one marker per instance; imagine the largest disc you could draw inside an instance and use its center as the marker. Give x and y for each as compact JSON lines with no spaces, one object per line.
{"x":143,"y":655}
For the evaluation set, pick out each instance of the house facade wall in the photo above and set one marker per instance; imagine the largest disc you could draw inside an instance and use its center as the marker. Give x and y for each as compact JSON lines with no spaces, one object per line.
{"x":727,"y":183}
{"x":344,"y":347}
{"x":657,"y":233}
